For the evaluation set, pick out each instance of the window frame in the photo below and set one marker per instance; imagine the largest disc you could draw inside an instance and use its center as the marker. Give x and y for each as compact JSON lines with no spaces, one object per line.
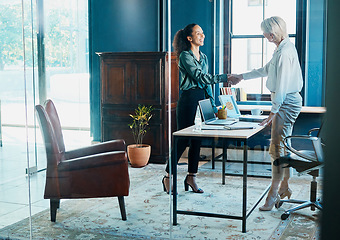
{"x":300,"y":38}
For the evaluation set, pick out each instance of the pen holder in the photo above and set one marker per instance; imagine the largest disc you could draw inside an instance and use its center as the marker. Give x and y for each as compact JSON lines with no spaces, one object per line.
{"x":222,"y":113}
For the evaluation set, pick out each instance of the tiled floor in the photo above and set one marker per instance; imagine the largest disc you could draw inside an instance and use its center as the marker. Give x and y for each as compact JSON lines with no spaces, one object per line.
{"x":17,"y":189}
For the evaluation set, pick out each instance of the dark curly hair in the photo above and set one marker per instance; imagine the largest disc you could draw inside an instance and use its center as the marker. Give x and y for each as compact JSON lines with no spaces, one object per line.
{"x":181,"y":42}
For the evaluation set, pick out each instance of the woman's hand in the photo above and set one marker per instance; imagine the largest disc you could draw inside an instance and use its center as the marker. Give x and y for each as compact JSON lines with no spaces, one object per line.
{"x":268,"y":121}
{"x":234,"y":78}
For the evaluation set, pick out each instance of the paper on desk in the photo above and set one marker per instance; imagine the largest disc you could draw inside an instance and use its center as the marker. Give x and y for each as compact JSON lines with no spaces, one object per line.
{"x":245,"y":125}
{"x":212,"y":127}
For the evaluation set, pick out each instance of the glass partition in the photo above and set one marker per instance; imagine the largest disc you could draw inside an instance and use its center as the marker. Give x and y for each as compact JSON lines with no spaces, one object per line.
{"x":43,"y":55}
{"x":209,"y":16}
{"x":233,"y":43}
{"x":18,"y":67}
{"x":46,"y":53}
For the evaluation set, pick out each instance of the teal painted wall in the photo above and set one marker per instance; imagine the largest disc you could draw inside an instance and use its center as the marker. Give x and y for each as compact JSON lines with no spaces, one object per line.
{"x":314,"y":90}
{"x":118,"y":26}
{"x":194,"y":11}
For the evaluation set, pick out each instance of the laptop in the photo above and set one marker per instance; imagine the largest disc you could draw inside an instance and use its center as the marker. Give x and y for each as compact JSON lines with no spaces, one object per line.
{"x":234,"y":112}
{"x":208,"y":114}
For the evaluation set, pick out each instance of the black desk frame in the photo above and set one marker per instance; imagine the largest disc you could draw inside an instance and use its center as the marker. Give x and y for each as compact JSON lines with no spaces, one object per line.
{"x":245,"y":214}
{"x":217,"y":158}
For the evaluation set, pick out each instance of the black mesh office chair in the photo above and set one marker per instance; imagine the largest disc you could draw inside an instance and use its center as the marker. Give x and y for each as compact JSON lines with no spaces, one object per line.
{"x":305,"y":162}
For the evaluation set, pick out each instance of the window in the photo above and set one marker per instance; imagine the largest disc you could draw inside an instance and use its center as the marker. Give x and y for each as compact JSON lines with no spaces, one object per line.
{"x":66,"y":60}
{"x":248,"y":48}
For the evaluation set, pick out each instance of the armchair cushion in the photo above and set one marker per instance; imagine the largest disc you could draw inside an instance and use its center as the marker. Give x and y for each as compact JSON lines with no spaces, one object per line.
{"x":92,"y":161}
{"x":94,"y":171}
{"x":104,"y":147}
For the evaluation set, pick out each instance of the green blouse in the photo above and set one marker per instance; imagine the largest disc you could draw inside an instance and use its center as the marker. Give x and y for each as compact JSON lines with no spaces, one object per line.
{"x":194,"y":74}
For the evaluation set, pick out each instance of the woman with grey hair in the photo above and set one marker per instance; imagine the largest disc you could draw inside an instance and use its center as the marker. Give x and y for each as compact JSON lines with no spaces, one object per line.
{"x":285,"y":83}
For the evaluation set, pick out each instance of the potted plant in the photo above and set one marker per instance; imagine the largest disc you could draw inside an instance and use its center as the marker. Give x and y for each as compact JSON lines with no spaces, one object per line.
{"x":139,"y":153}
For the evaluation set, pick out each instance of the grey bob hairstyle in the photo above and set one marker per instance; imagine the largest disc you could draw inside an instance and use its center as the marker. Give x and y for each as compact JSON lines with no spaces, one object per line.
{"x":276,"y":26}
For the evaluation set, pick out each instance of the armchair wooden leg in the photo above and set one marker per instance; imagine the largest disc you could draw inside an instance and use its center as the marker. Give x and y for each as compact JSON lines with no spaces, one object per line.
{"x":54,"y":205}
{"x":122,"y":207}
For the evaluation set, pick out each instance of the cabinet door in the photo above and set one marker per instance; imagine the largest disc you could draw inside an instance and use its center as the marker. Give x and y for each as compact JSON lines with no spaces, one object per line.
{"x":146,"y":81}
{"x":121,"y":130}
{"x":116,"y":79}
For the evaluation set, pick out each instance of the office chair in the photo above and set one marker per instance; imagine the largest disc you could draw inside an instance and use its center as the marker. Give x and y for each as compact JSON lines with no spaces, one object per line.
{"x":305,"y":162}
{"x":94,"y":171}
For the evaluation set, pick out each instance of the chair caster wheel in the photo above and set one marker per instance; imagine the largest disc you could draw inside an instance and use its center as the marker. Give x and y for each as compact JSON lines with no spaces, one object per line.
{"x":278,"y":205}
{"x":284,"y":216}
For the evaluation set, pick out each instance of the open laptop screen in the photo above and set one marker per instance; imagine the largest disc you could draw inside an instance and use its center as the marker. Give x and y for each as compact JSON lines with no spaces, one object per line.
{"x":207,"y":110}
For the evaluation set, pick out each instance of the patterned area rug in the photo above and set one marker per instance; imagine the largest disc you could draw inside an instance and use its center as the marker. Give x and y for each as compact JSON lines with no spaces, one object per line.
{"x":148,"y":212}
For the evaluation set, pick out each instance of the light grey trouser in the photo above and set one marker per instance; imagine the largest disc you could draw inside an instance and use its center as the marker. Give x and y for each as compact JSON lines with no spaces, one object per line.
{"x":282,"y":126}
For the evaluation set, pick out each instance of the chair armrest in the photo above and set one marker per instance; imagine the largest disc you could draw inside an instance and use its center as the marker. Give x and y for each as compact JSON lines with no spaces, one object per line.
{"x":296,"y":152}
{"x":109,"y":146}
{"x":313,"y":130}
{"x":93,"y":161}
{"x":310,"y":170}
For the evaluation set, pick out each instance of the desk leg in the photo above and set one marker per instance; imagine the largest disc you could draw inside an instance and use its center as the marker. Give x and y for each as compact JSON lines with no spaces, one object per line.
{"x":224,"y":158}
{"x":245,"y":172}
{"x":213,"y":154}
{"x":173,"y":164}
{"x":0,"y":127}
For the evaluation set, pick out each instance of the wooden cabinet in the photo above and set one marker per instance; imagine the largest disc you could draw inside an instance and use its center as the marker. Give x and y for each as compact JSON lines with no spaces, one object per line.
{"x":132,"y":78}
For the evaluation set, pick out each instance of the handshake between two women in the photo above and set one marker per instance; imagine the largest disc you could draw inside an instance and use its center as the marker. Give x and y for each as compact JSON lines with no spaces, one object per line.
{"x":234,"y":79}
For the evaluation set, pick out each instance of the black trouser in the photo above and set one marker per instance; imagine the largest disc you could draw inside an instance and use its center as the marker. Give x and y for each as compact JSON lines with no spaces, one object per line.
{"x":185,"y":116}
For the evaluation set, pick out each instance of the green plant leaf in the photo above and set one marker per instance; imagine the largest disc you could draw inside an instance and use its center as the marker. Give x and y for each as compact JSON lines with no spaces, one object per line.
{"x":141,"y":119}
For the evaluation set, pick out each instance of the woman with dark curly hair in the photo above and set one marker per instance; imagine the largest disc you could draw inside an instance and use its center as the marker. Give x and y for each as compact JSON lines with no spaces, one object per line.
{"x":195,"y":85}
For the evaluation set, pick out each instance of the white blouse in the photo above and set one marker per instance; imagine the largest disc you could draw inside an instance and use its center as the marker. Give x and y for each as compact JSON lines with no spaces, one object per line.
{"x":283,"y":71}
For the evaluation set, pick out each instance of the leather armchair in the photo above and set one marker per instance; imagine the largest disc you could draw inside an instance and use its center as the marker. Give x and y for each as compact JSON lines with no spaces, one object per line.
{"x":99,"y":170}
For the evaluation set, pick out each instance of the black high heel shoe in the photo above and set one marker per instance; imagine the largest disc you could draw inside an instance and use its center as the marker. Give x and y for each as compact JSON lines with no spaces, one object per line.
{"x":164,"y":187}
{"x":194,"y":189}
